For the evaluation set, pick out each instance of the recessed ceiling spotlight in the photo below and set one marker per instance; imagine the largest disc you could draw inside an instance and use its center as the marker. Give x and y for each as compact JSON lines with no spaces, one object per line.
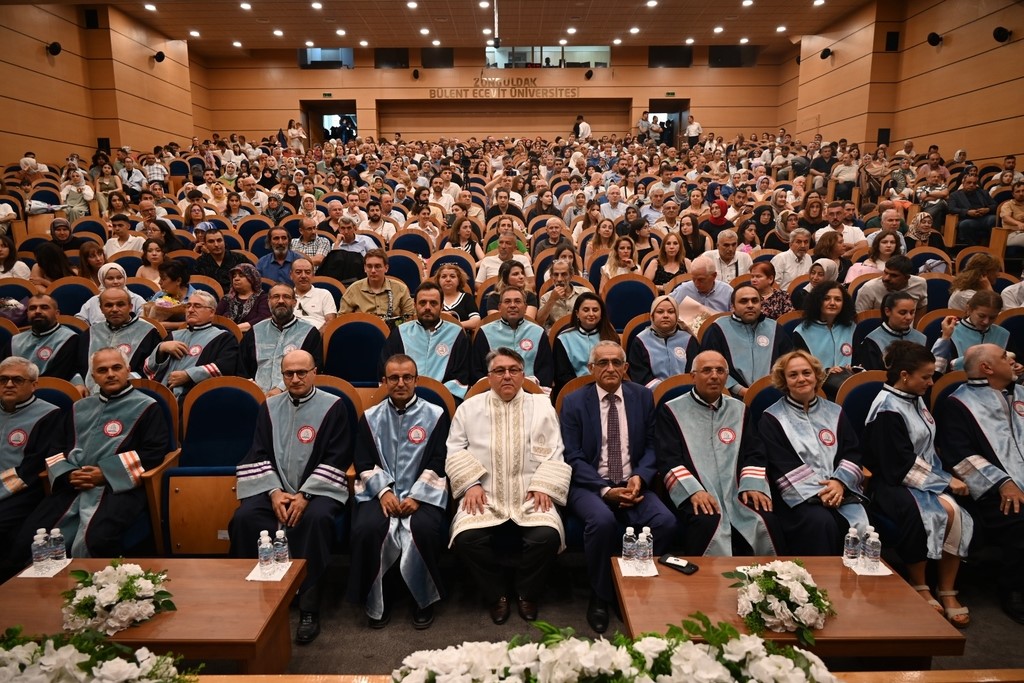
{"x":634,"y":30}
{"x":487,"y":31}
{"x":571,"y":31}
{"x":780,"y":29}
{"x":689,"y":41}
{"x":278,"y":32}
{"x":617,"y":41}
{"x":490,"y":42}
{"x":309,"y":43}
{"x":819,"y":3}
{"x":340,"y":32}
{"x":317,"y":5}
{"x":435,"y":43}
{"x":363,"y":43}
{"x":424,"y":31}
{"x":237,"y":43}
{"x":151,"y":8}
{"x":484,"y":4}
{"x":719,"y":29}
{"x":194,"y":34}
{"x":246,"y":6}
{"x":744,"y":41}
{"x":652,"y":3}
{"x":411,"y":5}
{"x":748,"y":3}
{"x":563,"y":41}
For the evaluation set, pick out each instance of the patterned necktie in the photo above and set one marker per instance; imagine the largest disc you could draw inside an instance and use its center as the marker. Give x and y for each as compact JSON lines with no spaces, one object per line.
{"x":614,"y":440}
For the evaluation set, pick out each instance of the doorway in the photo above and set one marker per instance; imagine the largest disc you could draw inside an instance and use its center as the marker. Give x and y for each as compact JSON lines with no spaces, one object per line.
{"x":672,"y":115}
{"x":330,"y":120}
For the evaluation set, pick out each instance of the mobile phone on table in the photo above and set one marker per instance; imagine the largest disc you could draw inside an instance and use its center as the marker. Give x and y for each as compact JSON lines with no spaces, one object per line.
{"x":679,"y":564}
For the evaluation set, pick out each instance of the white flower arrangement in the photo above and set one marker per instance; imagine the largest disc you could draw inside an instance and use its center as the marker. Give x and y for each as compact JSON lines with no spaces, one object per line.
{"x":114,"y":598}
{"x":725,"y":655}
{"x":780,"y":596}
{"x":85,"y":656}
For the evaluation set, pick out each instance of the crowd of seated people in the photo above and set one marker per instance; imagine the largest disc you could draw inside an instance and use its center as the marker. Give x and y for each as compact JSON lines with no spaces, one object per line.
{"x":761,"y":261}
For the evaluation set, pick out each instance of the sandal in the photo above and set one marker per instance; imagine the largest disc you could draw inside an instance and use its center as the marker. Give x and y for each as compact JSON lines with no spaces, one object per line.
{"x":959,"y":617}
{"x":931,"y":601}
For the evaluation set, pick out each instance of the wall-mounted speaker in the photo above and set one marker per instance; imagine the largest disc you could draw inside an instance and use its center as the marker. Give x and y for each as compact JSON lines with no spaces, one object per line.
{"x":892,"y":41}
{"x":415,"y":74}
{"x":1002,"y":34}
{"x":883,"y":136}
{"x":826,"y":53}
{"x":159,"y":57}
{"x":798,"y":59}
{"x":934,"y":39}
{"x":54,"y":48}
{"x":589,"y":74}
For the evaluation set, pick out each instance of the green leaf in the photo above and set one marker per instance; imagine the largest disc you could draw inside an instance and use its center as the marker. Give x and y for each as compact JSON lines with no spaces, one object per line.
{"x":79,"y":574}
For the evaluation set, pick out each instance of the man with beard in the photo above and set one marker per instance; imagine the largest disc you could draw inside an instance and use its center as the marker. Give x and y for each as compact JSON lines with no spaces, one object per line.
{"x":277,"y":265}
{"x":269,"y":340}
{"x":50,"y":346}
{"x":217,"y":261}
{"x":514,"y":331}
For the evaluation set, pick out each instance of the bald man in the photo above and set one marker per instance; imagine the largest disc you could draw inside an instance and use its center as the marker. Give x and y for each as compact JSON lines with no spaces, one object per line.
{"x":981,"y":440}
{"x":714,"y":468}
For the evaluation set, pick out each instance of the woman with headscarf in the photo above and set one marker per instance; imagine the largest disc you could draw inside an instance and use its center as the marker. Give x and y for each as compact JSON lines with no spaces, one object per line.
{"x":787,"y":222}
{"x":762,"y":188}
{"x":76,"y":195}
{"x":60,"y":235}
{"x":111,"y":276}
{"x":717,"y":222}
{"x":246,"y":303}
{"x":764,"y":219}
{"x":822,"y":270}
{"x":664,"y":349}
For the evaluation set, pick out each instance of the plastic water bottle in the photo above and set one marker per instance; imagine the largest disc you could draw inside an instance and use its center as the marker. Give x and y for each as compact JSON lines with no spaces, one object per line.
{"x":868,"y":530}
{"x":281,"y":554}
{"x":872,"y":553}
{"x":58,"y":551}
{"x":266,"y":554}
{"x":41,"y":556}
{"x":629,"y":548}
{"x":851,"y":548}
{"x":644,"y":550}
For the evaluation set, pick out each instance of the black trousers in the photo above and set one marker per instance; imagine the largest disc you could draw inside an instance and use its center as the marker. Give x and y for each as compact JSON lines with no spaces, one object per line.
{"x":13,"y":512}
{"x":480,"y":550}
{"x":699,"y":530}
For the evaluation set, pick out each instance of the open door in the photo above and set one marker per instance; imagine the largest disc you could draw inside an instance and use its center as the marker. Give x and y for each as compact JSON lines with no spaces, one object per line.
{"x":329,"y":119}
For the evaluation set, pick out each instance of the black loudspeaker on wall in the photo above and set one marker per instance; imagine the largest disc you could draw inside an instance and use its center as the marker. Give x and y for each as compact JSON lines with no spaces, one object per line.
{"x":159,"y":57}
{"x":415,"y":74}
{"x":589,"y":74}
{"x":892,"y":41}
{"x":934,"y":39}
{"x":92,"y":18}
{"x":883,"y":136}
{"x":54,"y":48}
{"x":103,"y":144}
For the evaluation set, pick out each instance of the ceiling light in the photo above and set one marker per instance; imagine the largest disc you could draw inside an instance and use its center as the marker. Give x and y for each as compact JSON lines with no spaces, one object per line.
{"x":719,"y":29}
{"x":617,"y":41}
{"x":780,"y":29}
{"x":309,"y":43}
{"x":194,"y":34}
{"x":435,"y":43}
{"x":245,"y":6}
{"x":563,"y":41}
{"x":363,"y":43}
{"x":487,"y":32}
{"x":819,"y":3}
{"x":490,"y":42}
{"x":571,"y":31}
{"x":151,"y":8}
{"x":652,"y":3}
{"x":278,"y":32}
{"x":634,"y":30}
{"x":317,"y":5}
{"x":689,"y":41}
{"x":424,"y":31}
{"x":411,"y":5}
{"x":340,"y":32}
{"x":237,"y":43}
{"x":748,"y":3}
{"x":484,"y":4}
{"x":744,"y":41}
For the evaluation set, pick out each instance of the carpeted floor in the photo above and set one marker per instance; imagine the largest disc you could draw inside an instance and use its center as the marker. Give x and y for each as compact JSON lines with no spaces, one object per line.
{"x":347,"y":646}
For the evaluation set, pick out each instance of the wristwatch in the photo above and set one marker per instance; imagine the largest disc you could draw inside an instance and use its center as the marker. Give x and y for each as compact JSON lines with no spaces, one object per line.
{"x":307,"y":496}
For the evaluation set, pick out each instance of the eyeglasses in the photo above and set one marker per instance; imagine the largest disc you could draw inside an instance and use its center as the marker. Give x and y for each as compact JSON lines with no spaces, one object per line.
{"x":16,"y":381}
{"x":404,"y":379}
{"x":191,"y":305}
{"x":605,"y":362}
{"x":298,"y":374}
{"x":501,"y":372}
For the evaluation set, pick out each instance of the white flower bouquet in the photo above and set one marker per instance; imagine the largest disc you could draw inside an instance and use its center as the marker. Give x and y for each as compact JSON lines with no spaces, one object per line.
{"x":781,"y":596}
{"x":725,"y":655}
{"x":85,"y":656}
{"x":114,"y":598}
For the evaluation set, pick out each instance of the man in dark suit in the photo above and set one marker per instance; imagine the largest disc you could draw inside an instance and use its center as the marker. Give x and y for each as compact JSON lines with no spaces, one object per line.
{"x":608,"y":431}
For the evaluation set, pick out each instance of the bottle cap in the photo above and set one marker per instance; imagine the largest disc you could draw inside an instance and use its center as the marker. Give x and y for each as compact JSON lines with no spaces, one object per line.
{"x":41,"y":532}
{"x":647,"y":530}
{"x":280,"y":533}
{"x":54,"y":532}
{"x":630,"y":530}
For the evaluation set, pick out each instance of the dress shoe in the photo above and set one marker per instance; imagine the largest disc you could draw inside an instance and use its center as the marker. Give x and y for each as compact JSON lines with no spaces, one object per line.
{"x":500,"y":610}
{"x":385,"y":618}
{"x":597,"y":614}
{"x":309,"y":628}
{"x":423,"y":617}
{"x":1013,"y":605}
{"x":527,"y":609}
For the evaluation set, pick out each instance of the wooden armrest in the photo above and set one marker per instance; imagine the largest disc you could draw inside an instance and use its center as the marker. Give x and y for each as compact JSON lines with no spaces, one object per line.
{"x":152,"y":480}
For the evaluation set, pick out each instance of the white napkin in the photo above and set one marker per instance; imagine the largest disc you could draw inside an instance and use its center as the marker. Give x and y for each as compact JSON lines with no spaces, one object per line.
{"x":879,"y":570}
{"x":647,"y":569}
{"x":51,"y":569}
{"x":276,"y":572}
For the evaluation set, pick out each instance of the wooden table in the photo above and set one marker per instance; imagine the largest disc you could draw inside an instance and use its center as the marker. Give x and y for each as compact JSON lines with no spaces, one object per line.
{"x":877,"y":616}
{"x":220,"y":615}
